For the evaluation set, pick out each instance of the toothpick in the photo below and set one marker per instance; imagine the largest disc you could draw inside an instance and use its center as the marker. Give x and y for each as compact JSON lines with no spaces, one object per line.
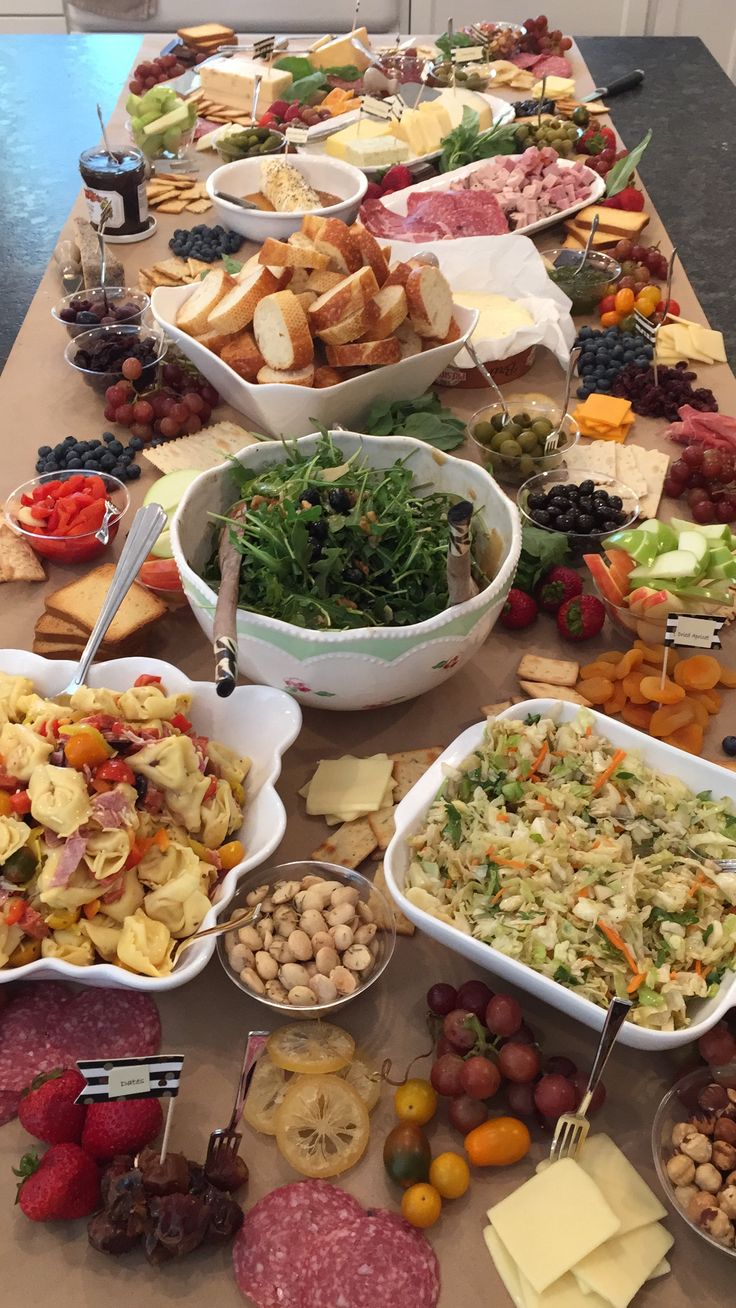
{"x":167,"y":1129}
{"x":356,"y":11}
{"x":423,"y":79}
{"x":541,"y":99}
{"x":663,"y":678}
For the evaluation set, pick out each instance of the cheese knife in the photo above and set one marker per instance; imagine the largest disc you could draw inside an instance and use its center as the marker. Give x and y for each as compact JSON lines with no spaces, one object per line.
{"x":621,"y":84}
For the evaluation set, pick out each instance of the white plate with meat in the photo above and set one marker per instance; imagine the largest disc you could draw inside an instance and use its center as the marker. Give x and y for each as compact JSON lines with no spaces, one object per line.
{"x":487,"y":198}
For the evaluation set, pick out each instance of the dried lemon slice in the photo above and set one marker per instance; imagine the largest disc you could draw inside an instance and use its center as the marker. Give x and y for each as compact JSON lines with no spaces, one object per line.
{"x":267,"y":1089}
{"x":322,"y":1126}
{"x":310,"y":1047}
{"x":364,"y":1077}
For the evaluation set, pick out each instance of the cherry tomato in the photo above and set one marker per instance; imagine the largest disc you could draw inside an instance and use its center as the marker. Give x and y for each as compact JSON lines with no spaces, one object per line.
{"x":421,"y":1205}
{"x":181,"y":723}
{"x":231,"y":854}
{"x":498,"y":1142}
{"x":610,"y":319}
{"x":6,"y":808}
{"x":450,"y":1175}
{"x":86,"y":748}
{"x":607,"y":304}
{"x":406,"y":1154}
{"x":652,"y":293}
{"x":147,"y":679}
{"x":415,"y":1102}
{"x":645,"y":306}
{"x":115,"y":770}
{"x":670,"y":307}
{"x":14,"y":910}
{"x":625,"y":301}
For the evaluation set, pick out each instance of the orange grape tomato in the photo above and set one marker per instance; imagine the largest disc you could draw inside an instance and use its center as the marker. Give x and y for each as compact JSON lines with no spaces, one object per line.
{"x":498,"y":1142}
{"x":421,"y":1205}
{"x":630,"y":660}
{"x":416,"y":1101}
{"x":450,"y":1175}
{"x":6,"y":808}
{"x":231,"y":854}
{"x":645,"y":306}
{"x":610,"y":319}
{"x":670,"y":717}
{"x":596,"y":689}
{"x":699,"y":672}
{"x":669,"y":693}
{"x":625,"y":301}
{"x":86,"y":748}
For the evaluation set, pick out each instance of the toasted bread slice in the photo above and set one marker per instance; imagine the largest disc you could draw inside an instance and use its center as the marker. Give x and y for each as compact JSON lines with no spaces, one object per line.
{"x":336,"y":241}
{"x":454,"y":334}
{"x":353,"y":326}
{"x":399,"y":274}
{"x":80,"y":601}
{"x":193,"y":315}
{"x":287,"y":376}
{"x":243,"y":356}
{"x":321,"y":280}
{"x":346,"y":297}
{"x":312,"y":225}
{"x":370,"y":252}
{"x":61,"y":631}
{"x":409,"y":342}
{"x":429,"y":298}
{"x":282,"y":332}
{"x":235,"y":310}
{"x":207,"y":34}
{"x":214,"y":341}
{"x":283,"y":276}
{"x":284,"y":255}
{"x":364,"y":354}
{"x":392,"y":308}
{"x":324,"y":377}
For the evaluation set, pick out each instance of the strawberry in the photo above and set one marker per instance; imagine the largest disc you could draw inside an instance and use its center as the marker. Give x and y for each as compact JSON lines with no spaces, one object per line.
{"x":373,"y":191}
{"x":581,"y":617}
{"x":397,"y":178}
{"x":47,"y":1108}
{"x":122,"y":1126}
{"x":520,"y":610}
{"x":60,"y":1187}
{"x":597,"y":139}
{"x":557,"y":585}
{"x":629,"y":199}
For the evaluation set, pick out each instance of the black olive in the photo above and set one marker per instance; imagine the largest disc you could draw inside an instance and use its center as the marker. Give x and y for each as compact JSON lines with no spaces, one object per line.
{"x":586,"y":504}
{"x":572,"y":493}
{"x":340,"y":499}
{"x":536,"y":501}
{"x":318,"y":530}
{"x":141,"y":785}
{"x":542,"y":516}
{"x":559,"y":503}
{"x":586,"y":487}
{"x":601,"y":497}
{"x":353,"y":575}
{"x":585,"y":523}
{"x":615,"y":502}
{"x":565,"y":522}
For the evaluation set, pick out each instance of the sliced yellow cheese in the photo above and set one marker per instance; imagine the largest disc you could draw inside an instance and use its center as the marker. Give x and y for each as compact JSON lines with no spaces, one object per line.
{"x":553,"y":1221}
{"x":334,"y":819}
{"x":351,"y":141}
{"x":626,"y":1191}
{"x":349,"y":786}
{"x":424,"y":128}
{"x":618,"y":1269}
{"x":498,"y":316}
{"x":555,"y":88}
{"x":505,"y":1266}
{"x":607,"y":410}
{"x":711,"y":342}
{"x":565,"y":1293}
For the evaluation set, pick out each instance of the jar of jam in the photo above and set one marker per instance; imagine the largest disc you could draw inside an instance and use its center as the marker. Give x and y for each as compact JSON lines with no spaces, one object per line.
{"x":117,"y":179}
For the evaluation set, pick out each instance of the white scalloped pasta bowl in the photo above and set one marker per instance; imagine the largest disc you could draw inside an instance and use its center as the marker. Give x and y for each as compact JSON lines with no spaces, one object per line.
{"x":257,"y":721}
{"x":697,"y":774}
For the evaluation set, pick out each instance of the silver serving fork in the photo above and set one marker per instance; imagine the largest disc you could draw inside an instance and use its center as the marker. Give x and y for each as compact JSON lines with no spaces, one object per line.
{"x":572,"y":1128}
{"x":225,"y":1140}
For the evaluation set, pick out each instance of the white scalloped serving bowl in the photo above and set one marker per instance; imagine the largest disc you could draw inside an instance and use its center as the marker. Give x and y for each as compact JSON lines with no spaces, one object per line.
{"x":367,"y":667}
{"x":257,"y":721}
{"x":698,"y":774}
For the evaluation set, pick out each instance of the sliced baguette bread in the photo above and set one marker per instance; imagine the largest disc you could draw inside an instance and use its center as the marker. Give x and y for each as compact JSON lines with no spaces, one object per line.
{"x":287,"y":376}
{"x":321,"y":280}
{"x":284,"y":255}
{"x":194,"y":313}
{"x":306,"y":298}
{"x":409,"y":342}
{"x":364,"y":354}
{"x":282,"y":332}
{"x":284,"y":276}
{"x":454,"y":334}
{"x":235,"y":310}
{"x":391,"y":308}
{"x":215,"y":341}
{"x":346,"y":297}
{"x":353,"y":326}
{"x":324,"y":377}
{"x":243,"y":356}
{"x":80,"y":601}
{"x":370,"y":252}
{"x":312,"y":225}
{"x":430,"y":302}
{"x":335,"y":240}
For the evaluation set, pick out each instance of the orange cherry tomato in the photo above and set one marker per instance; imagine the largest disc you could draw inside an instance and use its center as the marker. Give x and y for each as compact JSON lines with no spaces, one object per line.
{"x":416,"y":1101}
{"x":450,"y":1175}
{"x":625,"y":301}
{"x":610,"y":319}
{"x":498,"y":1142}
{"x":6,"y":807}
{"x":645,"y":306}
{"x":421,"y":1205}
{"x":231,"y":854}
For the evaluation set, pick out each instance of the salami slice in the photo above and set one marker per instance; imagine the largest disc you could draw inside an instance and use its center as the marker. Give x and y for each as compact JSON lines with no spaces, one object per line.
{"x":280,"y":1231}
{"x":111,"y":1023}
{"x":9,"y":1100}
{"x":381,"y":1260}
{"x":31,"y":1035}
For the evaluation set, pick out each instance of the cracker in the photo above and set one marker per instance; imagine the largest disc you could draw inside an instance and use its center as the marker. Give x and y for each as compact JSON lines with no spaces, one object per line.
{"x":629,"y":468}
{"x":197,"y":266}
{"x":403,"y":926}
{"x":199,"y":206}
{"x":17,"y":560}
{"x":409,"y":766}
{"x":349,"y":846}
{"x":493,"y":710}
{"x":654,"y":465}
{"x":206,"y":449}
{"x":172,"y":206}
{"x":543,"y":690}
{"x":597,"y":456}
{"x":382,"y":825}
{"x":556,"y":672}
{"x":175,"y":267}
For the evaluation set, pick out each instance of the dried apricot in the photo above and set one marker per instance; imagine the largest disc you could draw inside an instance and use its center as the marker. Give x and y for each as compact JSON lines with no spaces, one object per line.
{"x":699,"y":672}
{"x":631,"y":685}
{"x":655,"y":654}
{"x":727,"y":677}
{"x":699,"y":709}
{"x":595,"y":689}
{"x":597,"y":669}
{"x":617,"y":700}
{"x":689,"y":738}
{"x":659,"y":693}
{"x":670,"y":717}
{"x":631,"y":659}
{"x":637,"y":716}
{"x":609,"y":656}
{"x":710,"y":698}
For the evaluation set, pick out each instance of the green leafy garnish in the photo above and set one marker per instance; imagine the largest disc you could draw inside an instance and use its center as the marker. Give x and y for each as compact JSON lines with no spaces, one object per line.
{"x":707,"y":933}
{"x":305,"y":87}
{"x":453,"y":827}
{"x":687,"y":918}
{"x":621,"y":173}
{"x":540,"y":551}
{"x":465,"y":144}
{"x":297,"y":65}
{"x":446,"y":43}
{"x":705,"y":795}
{"x":531,"y":719}
{"x":231,"y":266}
{"x":564,"y":975}
{"x":346,"y":73}
{"x":424,"y":418}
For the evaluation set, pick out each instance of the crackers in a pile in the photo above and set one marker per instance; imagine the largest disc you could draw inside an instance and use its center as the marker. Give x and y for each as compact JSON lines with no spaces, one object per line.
{"x":206,"y":449}
{"x":215,"y":112}
{"x":642,"y":470}
{"x":177,"y":192}
{"x":171,"y":272}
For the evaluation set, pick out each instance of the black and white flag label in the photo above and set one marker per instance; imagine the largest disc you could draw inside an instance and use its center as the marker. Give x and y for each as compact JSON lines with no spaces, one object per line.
{"x":467,"y":54}
{"x":156,"y":1076}
{"x":297,"y":135}
{"x":376,"y":108}
{"x":263,"y":49}
{"x":693,"y":631}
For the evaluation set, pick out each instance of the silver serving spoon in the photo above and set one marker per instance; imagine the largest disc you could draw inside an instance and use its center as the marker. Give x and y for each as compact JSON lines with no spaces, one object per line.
{"x":234,"y":199}
{"x":248,"y":917}
{"x":588,"y":243}
{"x":103,"y":531}
{"x":489,"y":380}
{"x":553,"y":440}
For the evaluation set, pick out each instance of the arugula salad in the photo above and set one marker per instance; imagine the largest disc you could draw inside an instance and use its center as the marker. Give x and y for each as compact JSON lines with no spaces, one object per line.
{"x":581,"y":861}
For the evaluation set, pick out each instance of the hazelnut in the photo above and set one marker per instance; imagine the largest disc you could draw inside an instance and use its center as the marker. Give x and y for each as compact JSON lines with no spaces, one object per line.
{"x":697,"y":1146}
{"x":324,"y":990}
{"x":727,"y":1201}
{"x":712,"y":1097}
{"x":251,"y":979}
{"x":725,"y":1130}
{"x":731,"y":1178}
{"x":300,"y":945}
{"x":683,"y":1193}
{"x":718,"y":1225}
{"x":343,"y":937}
{"x":301,"y":997}
{"x":680,"y":1169}
{"x":700,"y":1203}
{"x":266,"y":966}
{"x":707,"y":1177}
{"x":679,"y":1131}
{"x":724,"y":1155}
{"x":705,"y":1123}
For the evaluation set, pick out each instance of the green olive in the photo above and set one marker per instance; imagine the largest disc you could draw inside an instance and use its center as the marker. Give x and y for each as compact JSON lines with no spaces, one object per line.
{"x":512,"y":429}
{"x":542,"y":428}
{"x":527,"y":465}
{"x":528,"y":442}
{"x":510,"y":449}
{"x":522,"y":419}
{"x":498,"y":440}
{"x":483,"y":432}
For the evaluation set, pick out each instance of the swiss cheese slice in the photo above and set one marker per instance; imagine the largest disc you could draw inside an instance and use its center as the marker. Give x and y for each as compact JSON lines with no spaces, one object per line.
{"x":618,"y":1269}
{"x":565,"y":1293}
{"x":349,"y":786}
{"x":505,"y":1266}
{"x":553,"y":1221}
{"x":626,"y":1191}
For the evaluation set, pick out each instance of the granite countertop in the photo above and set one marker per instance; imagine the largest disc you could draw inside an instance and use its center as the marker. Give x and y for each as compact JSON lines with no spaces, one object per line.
{"x":53,"y":82}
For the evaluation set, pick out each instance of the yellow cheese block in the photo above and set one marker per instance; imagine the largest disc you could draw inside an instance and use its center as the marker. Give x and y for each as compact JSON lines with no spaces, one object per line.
{"x":343,"y":50}
{"x":455,"y":101}
{"x":365,"y":130}
{"x":605,"y":409}
{"x":231,"y":82}
{"x":423,"y":129}
{"x":349,"y":786}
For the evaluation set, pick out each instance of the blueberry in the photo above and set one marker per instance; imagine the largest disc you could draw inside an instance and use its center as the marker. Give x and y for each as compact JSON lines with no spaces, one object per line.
{"x":119,"y":470}
{"x":69,"y":440}
{"x":44,"y":451}
{"x":728,"y":745}
{"x":133,"y":472}
{"x":107,"y":436}
{"x":135,"y":443}
{"x":73,"y":461}
{"x":116,"y":447}
{"x":641,"y":361}
{"x":157,"y":440}
{"x":40,"y":465}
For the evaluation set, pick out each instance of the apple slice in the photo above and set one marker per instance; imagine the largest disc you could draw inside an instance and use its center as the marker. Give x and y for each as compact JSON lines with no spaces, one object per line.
{"x":607,"y":585}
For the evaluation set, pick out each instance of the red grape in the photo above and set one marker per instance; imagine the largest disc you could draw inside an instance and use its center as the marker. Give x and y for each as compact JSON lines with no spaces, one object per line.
{"x":441,"y":999}
{"x":160,"y":403}
{"x":560,"y":1066}
{"x":520,"y":1098}
{"x":725,"y":509}
{"x":210,"y":395}
{"x":524,"y":1036}
{"x":110,"y":413}
{"x":554,"y":1095}
{"x":131,"y":368}
{"x":712,"y":464}
{"x":446,"y":1075}
{"x":717,"y":1046}
{"x":626,"y":284}
{"x":727,"y":466}
{"x":143,"y":430}
{"x":695,"y":495}
{"x":466,"y":1113}
{"x":443,"y":1047}
{"x":580,"y":1083}
{"x":680,"y":469}
{"x":124,"y":414}
{"x":639,"y":253}
{"x":519,"y":1062}
{"x":697,"y":480}
{"x":169,"y":428}
{"x":194,"y":402}
{"x":179,"y":412}
{"x":692,"y":455}
{"x":673,"y":487}
{"x":623,"y":250}
{"x":704,"y":511}
{"x":461,"y":1037}
{"x":205,"y":416}
{"x":193,"y":424}
{"x":503,"y":1015}
{"x":143,"y":411}
{"x":480,"y":1077}
{"x":475,"y":996}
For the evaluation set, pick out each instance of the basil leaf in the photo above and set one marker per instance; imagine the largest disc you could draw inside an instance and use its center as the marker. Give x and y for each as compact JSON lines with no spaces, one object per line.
{"x":540,"y":550}
{"x":297,"y":65}
{"x":623,"y":171}
{"x":346,"y":73}
{"x":304,"y":87}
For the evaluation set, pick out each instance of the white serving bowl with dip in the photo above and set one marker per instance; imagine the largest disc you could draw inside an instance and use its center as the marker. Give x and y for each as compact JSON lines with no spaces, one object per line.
{"x":330,"y":177}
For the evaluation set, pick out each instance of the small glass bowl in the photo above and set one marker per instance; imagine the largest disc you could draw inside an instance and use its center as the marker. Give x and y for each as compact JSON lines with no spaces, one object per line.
{"x":678,"y":1105}
{"x":383,"y":915}
{"x":516,"y":469}
{"x":468,"y":77}
{"x":229,"y":155}
{"x":67,"y":549}
{"x":116,"y":296}
{"x":647,"y":621}
{"x":588,"y":288}
{"x":591,"y":541}
{"x":147,"y":147}
{"x":99,"y":381}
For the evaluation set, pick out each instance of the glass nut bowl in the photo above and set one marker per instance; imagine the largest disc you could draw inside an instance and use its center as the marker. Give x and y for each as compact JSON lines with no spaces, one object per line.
{"x":588,"y":288}
{"x":531,"y":423}
{"x":66,"y":549}
{"x":363,"y":929}
{"x":102,"y":306}
{"x":111,"y":345}
{"x":578,"y":542}
{"x":679,"y":1105}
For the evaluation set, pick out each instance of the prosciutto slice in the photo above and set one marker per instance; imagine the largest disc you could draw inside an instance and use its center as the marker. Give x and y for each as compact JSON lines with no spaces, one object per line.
{"x":69,"y":859}
{"x":112,"y":810}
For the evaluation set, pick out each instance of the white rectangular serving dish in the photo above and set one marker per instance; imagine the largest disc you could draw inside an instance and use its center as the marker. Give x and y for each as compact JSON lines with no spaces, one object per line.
{"x":697,"y":774}
{"x":257,"y":721}
{"x":282,"y":410}
{"x":398,"y":202}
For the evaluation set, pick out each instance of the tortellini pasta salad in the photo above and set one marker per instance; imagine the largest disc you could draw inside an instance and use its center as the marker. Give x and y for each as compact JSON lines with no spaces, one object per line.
{"x":116,"y":823}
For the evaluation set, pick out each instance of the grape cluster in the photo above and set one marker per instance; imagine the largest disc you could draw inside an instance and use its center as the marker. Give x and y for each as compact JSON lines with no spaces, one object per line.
{"x":639,"y":264}
{"x":485,"y":1047}
{"x":665,"y":396}
{"x":180,"y":406}
{"x":707,"y":479}
{"x":540,"y":40}
{"x":149,"y":73}
{"x":605,"y":355}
